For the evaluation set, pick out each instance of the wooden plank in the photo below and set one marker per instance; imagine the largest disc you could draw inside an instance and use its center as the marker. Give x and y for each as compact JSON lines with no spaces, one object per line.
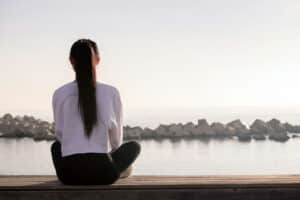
{"x":155,"y":187}
{"x":48,"y":181}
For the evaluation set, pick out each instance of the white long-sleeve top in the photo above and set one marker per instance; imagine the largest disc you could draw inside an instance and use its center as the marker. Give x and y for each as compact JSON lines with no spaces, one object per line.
{"x":106,"y":136}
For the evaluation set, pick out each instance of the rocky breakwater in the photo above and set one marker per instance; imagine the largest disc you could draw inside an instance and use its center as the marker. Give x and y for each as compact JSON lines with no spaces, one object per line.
{"x":273,"y":129}
{"x":277,"y":130}
{"x":28,"y":126}
{"x":258,"y":130}
{"x":238,"y":129}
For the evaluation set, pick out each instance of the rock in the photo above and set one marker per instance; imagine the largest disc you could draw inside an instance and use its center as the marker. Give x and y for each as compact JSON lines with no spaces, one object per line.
{"x":176,"y":130}
{"x":230,"y":131}
{"x":148,"y":133}
{"x":291,"y":129}
{"x":125,"y":131}
{"x":7,"y":127}
{"x":52,"y":127}
{"x":27,"y":129}
{"x":40,"y":133}
{"x":240,"y":130}
{"x":279,"y":132}
{"x":295,"y":129}
{"x":29,"y":119}
{"x":7,"y":117}
{"x":189,"y":129}
{"x":259,"y":127}
{"x":45,"y":124}
{"x":280,"y":137}
{"x":18,"y":118}
{"x":162,"y":131}
{"x":276,"y":126}
{"x":288,"y":127}
{"x":133,"y":133}
{"x":244,"y":137}
{"x":219,"y":129}
{"x":203,"y":129}
{"x":50,"y":137}
{"x":295,"y":136}
{"x":259,"y":136}
{"x":17,"y":129}
{"x":238,"y":126}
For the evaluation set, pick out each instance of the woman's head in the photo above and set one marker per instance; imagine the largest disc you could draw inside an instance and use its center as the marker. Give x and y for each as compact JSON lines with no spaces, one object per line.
{"x":84,"y":57}
{"x":84,"y":52}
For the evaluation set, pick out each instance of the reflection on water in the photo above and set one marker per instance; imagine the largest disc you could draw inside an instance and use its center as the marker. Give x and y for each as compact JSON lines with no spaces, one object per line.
{"x":166,"y":157}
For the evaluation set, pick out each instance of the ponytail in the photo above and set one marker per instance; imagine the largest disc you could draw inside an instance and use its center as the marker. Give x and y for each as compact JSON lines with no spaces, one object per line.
{"x":81,"y":52}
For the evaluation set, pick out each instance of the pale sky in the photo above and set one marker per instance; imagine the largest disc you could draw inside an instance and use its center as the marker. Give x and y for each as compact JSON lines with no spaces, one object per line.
{"x":159,"y":54}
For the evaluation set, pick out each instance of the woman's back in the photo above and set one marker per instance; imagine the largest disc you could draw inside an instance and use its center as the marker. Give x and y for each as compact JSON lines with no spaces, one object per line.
{"x":106,"y":135}
{"x":88,"y":118}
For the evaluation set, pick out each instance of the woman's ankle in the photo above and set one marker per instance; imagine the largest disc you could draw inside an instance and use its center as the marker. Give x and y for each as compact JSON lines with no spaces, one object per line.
{"x":126,"y":173}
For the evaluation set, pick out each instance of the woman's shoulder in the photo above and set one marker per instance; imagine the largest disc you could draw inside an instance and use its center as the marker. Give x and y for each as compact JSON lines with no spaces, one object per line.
{"x":65,"y":89}
{"x":107,"y":88}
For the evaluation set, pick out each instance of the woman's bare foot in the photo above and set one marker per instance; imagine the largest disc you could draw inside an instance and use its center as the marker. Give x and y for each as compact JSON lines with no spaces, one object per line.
{"x":127,"y":172}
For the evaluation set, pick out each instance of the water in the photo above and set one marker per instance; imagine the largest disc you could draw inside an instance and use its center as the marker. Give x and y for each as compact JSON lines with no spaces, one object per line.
{"x":182,"y":157}
{"x":166,"y":157}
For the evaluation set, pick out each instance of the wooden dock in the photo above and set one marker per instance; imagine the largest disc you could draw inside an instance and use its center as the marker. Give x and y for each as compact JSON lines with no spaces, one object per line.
{"x":246,"y":187}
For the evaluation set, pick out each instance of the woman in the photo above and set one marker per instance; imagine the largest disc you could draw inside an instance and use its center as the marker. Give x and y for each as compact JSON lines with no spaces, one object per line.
{"x":88,"y":121}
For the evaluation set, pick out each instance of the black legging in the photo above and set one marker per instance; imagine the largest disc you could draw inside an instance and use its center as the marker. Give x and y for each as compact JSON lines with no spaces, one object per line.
{"x":93,"y":168}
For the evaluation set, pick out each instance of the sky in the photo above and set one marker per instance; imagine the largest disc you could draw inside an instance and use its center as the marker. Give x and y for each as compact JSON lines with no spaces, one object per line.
{"x":162,"y":55}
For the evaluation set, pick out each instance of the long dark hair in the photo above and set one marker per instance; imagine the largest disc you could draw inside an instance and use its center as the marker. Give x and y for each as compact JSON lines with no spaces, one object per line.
{"x":81,"y":53}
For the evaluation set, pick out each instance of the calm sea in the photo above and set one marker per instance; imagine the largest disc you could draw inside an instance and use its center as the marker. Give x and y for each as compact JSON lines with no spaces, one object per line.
{"x":182,"y":157}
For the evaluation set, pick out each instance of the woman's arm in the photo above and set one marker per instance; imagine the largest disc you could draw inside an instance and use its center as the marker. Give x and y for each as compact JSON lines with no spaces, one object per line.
{"x":57,"y":118}
{"x":116,"y":132}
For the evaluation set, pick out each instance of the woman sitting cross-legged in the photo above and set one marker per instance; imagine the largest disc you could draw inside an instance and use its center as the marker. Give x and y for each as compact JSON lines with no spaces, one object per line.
{"x":88,"y":118}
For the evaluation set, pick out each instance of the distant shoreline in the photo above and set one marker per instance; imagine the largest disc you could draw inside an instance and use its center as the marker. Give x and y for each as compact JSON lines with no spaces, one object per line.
{"x":29,"y":126}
